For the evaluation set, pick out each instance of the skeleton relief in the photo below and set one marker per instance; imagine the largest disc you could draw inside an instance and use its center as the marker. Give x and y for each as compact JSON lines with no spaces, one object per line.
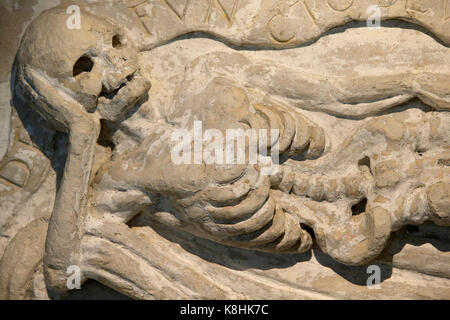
{"x":362,"y":136}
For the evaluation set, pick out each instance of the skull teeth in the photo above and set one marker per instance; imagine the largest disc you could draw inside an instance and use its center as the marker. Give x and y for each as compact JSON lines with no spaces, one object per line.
{"x":113,"y":93}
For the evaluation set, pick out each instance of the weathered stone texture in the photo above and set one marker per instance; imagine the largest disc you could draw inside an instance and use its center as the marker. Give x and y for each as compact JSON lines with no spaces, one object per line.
{"x":88,"y":178}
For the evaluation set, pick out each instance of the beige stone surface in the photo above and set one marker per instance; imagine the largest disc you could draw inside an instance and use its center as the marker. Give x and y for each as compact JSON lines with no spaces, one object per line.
{"x":87,"y":171}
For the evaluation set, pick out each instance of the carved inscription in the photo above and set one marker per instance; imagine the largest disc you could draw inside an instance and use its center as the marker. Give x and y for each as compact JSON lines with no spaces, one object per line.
{"x":340,"y":5}
{"x":179,"y":7}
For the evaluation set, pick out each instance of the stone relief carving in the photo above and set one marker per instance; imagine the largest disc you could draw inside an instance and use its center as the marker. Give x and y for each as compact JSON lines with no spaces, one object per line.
{"x":363,"y":123}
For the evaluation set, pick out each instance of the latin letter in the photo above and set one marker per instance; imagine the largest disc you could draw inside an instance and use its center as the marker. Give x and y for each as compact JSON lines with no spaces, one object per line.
{"x":74,"y":281}
{"x":183,"y":146}
{"x":74,"y":21}
{"x":213,"y":144}
{"x":373,"y":282}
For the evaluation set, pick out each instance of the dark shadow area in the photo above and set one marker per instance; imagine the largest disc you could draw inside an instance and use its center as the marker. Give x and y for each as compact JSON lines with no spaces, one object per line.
{"x":84,"y":64}
{"x":417,"y":236}
{"x":437,"y":236}
{"x":360,"y":207}
{"x":93,"y":290}
{"x":229,"y":257}
{"x":393,"y":23}
{"x":365,"y":162}
{"x":109,"y":128}
{"x":355,"y":274}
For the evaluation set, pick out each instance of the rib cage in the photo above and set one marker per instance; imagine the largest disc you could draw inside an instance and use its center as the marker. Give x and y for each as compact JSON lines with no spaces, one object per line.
{"x":254,"y":223}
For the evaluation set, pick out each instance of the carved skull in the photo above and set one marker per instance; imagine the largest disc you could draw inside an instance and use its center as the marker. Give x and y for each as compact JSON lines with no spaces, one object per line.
{"x":96,"y":64}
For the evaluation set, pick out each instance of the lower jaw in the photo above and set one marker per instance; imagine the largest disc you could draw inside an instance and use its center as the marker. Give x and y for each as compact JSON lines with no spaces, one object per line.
{"x":124,"y":101}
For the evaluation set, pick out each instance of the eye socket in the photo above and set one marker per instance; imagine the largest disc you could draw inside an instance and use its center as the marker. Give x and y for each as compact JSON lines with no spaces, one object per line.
{"x":84,"y":64}
{"x":116,"y":41}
